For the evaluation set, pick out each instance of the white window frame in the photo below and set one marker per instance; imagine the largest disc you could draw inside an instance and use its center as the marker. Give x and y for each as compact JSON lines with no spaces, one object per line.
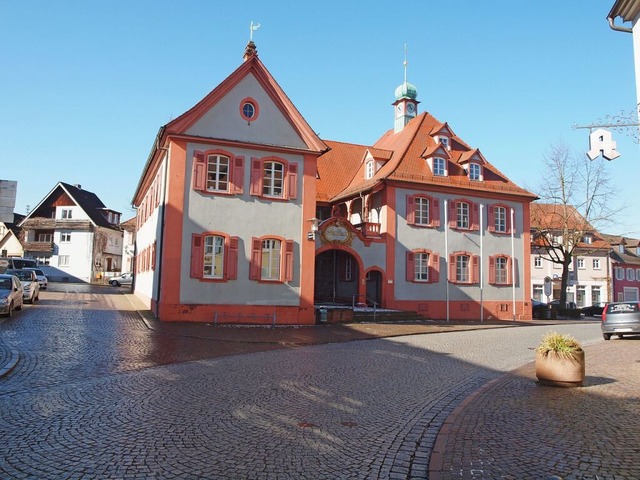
{"x":537,"y":261}
{"x":66,"y":213}
{"x":637,"y":274}
{"x":631,"y":274}
{"x":500,"y":219}
{"x":619,"y":273}
{"x":271,"y":255}
{"x":538,"y":292}
{"x":580,"y":263}
{"x":213,"y":257}
{"x":475,"y":171}
{"x":370,"y":170}
{"x":217,"y":178}
{"x":596,"y":264}
{"x":45,"y":237}
{"x":63,"y":260}
{"x":439,"y":167}
{"x":65,"y":237}
{"x":463,"y":211}
{"x":501,"y":266}
{"x":421,"y":264}
{"x":444,"y":141}
{"x":273,"y":179}
{"x":463,"y":273}
{"x":422,"y":212}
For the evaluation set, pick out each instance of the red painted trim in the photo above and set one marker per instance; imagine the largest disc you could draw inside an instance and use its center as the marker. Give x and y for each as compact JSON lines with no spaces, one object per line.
{"x":307,"y":195}
{"x":174,"y":218}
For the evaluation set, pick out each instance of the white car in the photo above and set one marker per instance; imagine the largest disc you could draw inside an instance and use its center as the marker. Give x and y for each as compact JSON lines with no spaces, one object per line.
{"x":30,"y":285}
{"x":43,"y":281}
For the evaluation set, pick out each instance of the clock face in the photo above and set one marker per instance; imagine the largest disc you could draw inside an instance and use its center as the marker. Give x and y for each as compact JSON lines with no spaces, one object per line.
{"x":411,"y":107}
{"x":399,"y":108}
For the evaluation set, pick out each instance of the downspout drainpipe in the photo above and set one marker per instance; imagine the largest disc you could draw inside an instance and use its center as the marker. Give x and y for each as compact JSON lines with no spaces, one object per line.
{"x":618,"y":28}
{"x":513,"y":264}
{"x":481,"y":263}
{"x":446,"y":250}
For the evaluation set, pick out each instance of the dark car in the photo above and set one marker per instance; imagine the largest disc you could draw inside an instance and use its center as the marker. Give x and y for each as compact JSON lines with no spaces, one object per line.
{"x":555,"y":304}
{"x":620,"y":318}
{"x":539,"y":309}
{"x":592,"y":310}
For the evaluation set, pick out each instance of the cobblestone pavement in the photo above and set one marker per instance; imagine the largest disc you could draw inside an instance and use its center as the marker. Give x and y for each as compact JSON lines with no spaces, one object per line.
{"x":95,"y":393}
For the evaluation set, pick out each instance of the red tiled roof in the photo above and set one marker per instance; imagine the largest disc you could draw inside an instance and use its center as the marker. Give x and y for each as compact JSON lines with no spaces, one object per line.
{"x":407,"y":163}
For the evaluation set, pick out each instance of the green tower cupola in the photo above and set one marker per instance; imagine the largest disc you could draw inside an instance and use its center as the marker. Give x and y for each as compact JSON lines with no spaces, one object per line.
{"x":406,"y":105}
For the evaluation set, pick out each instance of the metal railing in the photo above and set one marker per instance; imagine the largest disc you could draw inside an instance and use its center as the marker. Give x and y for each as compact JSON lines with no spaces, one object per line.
{"x":366,"y":299}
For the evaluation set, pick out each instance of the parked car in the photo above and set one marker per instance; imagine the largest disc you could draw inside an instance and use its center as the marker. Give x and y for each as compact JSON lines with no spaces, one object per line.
{"x":124,"y":279}
{"x":29,"y":281}
{"x":539,"y":309}
{"x":620,"y":318}
{"x":592,"y":310}
{"x":555,"y":304}
{"x":43,"y":281}
{"x":11,"y":293}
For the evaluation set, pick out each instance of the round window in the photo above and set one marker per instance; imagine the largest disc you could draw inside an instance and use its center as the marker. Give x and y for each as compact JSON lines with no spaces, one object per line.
{"x":248,"y":110}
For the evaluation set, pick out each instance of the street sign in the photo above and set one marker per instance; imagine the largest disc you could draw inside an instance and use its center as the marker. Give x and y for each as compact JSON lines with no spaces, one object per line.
{"x":548,"y":286}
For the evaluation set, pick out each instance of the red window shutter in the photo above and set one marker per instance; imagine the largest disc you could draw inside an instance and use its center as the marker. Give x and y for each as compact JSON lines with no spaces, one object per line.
{"x":411,"y":267}
{"x":508,"y":219}
{"x":231,"y":256}
{"x":434,"y":268}
{"x":292,"y":181}
{"x":237,"y":177}
{"x":153,"y":256}
{"x":256,"y":176}
{"x":199,"y":171}
{"x":452,"y":268}
{"x":453,"y":215}
{"x":256,"y":255}
{"x":491,"y":218}
{"x":492,"y":270}
{"x":411,"y":210}
{"x":475,"y":269}
{"x":435,"y":212}
{"x":196,"y":256}
{"x":474,"y":216}
{"x":288,"y":261}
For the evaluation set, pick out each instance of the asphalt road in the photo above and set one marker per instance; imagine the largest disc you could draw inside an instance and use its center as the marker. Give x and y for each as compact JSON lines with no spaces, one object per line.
{"x":96,"y":394}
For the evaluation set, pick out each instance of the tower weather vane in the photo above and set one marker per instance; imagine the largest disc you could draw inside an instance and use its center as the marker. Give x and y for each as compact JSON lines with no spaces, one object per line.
{"x":252,"y":28}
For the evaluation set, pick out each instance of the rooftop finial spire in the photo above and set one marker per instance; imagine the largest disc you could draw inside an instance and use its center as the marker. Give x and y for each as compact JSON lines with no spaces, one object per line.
{"x":252,"y":28}
{"x":405,"y":63}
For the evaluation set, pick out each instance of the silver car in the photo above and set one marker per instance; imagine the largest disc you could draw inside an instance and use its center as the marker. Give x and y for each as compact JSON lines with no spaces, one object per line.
{"x":43,"y":281}
{"x":620,"y":318}
{"x":124,"y":279}
{"x":30,"y":285}
{"x":11,"y":292}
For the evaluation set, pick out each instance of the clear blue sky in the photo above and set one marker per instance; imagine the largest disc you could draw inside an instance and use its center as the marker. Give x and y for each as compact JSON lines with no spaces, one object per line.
{"x":85,"y":85}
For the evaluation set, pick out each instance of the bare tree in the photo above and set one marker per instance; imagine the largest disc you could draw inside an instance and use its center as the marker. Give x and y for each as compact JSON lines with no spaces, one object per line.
{"x":573,"y":203}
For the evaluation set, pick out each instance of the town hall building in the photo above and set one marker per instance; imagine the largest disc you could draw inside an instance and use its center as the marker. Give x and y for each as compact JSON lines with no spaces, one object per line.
{"x":245,"y":215}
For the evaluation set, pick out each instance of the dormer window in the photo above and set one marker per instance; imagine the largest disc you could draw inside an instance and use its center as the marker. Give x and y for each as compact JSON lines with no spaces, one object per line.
{"x":588,"y":239}
{"x":439,"y":167}
{"x":621,"y":248}
{"x":475,"y":171}
{"x":638,"y":250}
{"x":444,"y":141}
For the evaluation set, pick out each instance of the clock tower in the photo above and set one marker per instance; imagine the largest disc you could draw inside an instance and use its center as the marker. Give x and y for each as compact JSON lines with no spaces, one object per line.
{"x":406,"y":105}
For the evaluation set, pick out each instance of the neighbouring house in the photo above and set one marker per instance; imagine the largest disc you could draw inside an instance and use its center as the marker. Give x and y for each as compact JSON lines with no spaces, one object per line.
{"x":245,"y":215}
{"x":629,"y":11}
{"x":588,"y":281}
{"x":73,"y":235}
{"x":625,"y":268}
{"x":128,"y":244}
{"x":10,"y":244}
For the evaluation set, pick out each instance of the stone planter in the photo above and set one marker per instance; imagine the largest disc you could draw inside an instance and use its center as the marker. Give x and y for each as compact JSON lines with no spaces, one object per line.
{"x":556,"y":370}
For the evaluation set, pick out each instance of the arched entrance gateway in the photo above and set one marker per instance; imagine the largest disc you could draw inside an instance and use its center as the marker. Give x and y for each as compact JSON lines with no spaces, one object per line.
{"x":337,"y":277}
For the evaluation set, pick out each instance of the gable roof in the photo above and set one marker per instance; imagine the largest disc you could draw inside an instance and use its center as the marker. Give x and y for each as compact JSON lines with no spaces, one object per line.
{"x":549,"y":216}
{"x":88,"y":201}
{"x":251,"y":66}
{"x":410,"y":146}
